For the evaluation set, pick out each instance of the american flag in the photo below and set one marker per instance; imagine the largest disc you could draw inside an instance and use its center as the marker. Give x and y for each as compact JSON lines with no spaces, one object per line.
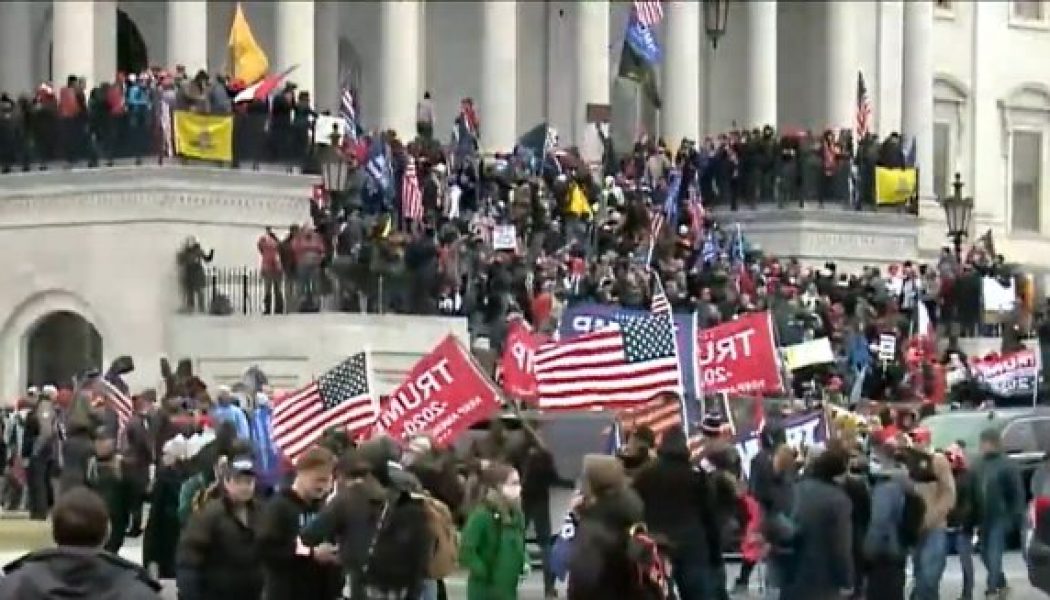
{"x":626,"y":363}
{"x":411,"y":192}
{"x":120,"y":402}
{"x":658,"y":414}
{"x":469,"y":115}
{"x":863,"y":124}
{"x":341,"y":398}
{"x":660,"y":305}
{"x":348,"y":113}
{"x":649,"y":12}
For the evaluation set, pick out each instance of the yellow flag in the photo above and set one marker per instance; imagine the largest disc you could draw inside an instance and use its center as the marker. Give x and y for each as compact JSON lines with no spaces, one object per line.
{"x":249,"y":60}
{"x":578,"y":201}
{"x":894,"y":186}
{"x":207,"y":137}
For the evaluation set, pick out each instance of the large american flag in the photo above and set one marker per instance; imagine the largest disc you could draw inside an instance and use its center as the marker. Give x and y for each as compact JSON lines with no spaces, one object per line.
{"x":649,"y":12}
{"x":626,"y":363}
{"x":411,"y":192}
{"x":863,"y":117}
{"x":341,"y":398}
{"x":121,"y":403}
{"x":348,"y":113}
{"x":660,"y":305}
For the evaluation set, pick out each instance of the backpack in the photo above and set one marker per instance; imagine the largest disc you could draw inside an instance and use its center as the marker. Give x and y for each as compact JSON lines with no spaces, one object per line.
{"x":912,"y":518}
{"x":443,"y":560}
{"x":392,"y":563}
{"x":650,"y":569}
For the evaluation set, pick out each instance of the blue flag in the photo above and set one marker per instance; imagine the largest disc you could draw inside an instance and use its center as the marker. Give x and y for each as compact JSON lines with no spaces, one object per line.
{"x":674,"y":188}
{"x":378,"y":166}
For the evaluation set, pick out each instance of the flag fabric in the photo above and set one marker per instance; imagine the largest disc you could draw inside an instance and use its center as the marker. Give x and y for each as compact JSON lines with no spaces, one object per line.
{"x":342,"y":398}
{"x":895,"y":186}
{"x":659,"y":305}
{"x":658,"y":414}
{"x":738,"y":246}
{"x":411,"y":192}
{"x":377,"y":165}
{"x":264,"y":88}
{"x":348,"y":113}
{"x":249,"y":61}
{"x":649,"y":12}
{"x":639,"y":59}
{"x":204,"y":137}
{"x":469,"y":115}
{"x":710,"y":250}
{"x":674,"y":188}
{"x":629,"y":362}
{"x":120,"y":402}
{"x":696,"y":214}
{"x":862,"y":125}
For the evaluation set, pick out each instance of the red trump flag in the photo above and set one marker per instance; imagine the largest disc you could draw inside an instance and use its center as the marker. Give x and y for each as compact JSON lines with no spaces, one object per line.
{"x":443,"y":395}
{"x":738,"y":357}
{"x":517,"y":365}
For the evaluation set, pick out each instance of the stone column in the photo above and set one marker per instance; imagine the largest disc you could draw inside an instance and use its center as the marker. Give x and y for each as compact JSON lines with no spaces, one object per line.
{"x":327,"y":78}
{"x":16,"y":48}
{"x":105,"y":38}
{"x":917,"y":89}
{"x":498,"y":105}
{"x":841,"y":92}
{"x":685,"y":41}
{"x":399,"y":81}
{"x":592,"y":73}
{"x":188,"y":35}
{"x":294,"y":21}
{"x":73,"y":32}
{"x":761,"y":74}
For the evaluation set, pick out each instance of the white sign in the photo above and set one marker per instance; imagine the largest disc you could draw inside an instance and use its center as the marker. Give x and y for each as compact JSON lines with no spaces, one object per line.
{"x":887,"y":347}
{"x":324,"y":127}
{"x":504,"y":237}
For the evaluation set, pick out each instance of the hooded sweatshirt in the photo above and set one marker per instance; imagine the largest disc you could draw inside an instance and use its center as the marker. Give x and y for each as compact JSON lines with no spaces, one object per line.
{"x":76,"y":573}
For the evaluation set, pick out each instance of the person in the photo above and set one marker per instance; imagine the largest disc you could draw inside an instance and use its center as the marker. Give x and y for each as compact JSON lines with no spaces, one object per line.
{"x":106,"y":477}
{"x":999,"y":506}
{"x":677,"y":500}
{"x":294,"y":570}
{"x":138,"y":460}
{"x":599,"y":566}
{"x":163,"y":527}
{"x":77,"y":568}
{"x":823,"y":562}
{"x":762,"y":481}
{"x":883,"y":547}
{"x":961,"y":518}
{"x":217,"y":556}
{"x":937,"y":488}
{"x":492,"y":549}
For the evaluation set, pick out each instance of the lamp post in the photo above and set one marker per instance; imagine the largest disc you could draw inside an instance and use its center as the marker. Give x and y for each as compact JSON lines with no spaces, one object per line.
{"x":716,"y":16}
{"x":335,"y":173}
{"x":957,"y":213}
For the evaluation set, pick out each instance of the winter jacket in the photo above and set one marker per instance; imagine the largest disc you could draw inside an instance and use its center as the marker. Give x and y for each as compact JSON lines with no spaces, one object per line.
{"x":492,"y":550}
{"x":270,"y":253}
{"x":599,"y":567}
{"x":76,"y":574}
{"x":267,"y":459}
{"x":292,"y":574}
{"x":822,"y":564}
{"x":349,"y":520}
{"x":962,"y":514}
{"x":882,"y":539}
{"x":678,"y":507}
{"x":217,"y":556}
{"x":998,"y":490}
{"x":939,"y":495}
{"x":231,"y":412}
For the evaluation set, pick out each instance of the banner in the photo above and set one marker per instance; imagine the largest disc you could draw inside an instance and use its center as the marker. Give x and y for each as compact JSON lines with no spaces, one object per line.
{"x":895,"y":186}
{"x":518,"y":376}
{"x":738,"y":357}
{"x":207,"y":137}
{"x":1014,"y":374}
{"x":443,"y":395}
{"x":813,"y":352}
{"x":808,"y":430}
{"x":587,"y":317}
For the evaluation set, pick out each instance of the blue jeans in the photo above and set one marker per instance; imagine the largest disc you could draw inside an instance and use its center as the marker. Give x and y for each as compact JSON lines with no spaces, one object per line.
{"x":430,"y":590}
{"x":964,"y":547}
{"x":993,"y":545}
{"x":928,"y":561}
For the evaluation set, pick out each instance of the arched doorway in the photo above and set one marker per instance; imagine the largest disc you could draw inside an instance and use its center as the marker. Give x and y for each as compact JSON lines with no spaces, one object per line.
{"x":132,"y":55}
{"x":61,"y":346}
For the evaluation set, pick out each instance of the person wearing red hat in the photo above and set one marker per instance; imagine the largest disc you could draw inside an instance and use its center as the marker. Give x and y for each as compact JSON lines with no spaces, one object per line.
{"x":938,"y":493}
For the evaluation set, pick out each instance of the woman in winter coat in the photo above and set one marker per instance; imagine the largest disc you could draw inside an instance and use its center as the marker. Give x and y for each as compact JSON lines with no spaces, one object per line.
{"x":493,"y":546}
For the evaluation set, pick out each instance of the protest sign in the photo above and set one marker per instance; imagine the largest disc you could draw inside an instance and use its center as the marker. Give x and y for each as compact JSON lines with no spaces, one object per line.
{"x":808,"y":430}
{"x":504,"y":237}
{"x":1014,"y":374}
{"x":516,"y":365}
{"x":738,"y":357}
{"x":443,"y":395}
{"x":813,"y":352}
{"x":887,"y":347}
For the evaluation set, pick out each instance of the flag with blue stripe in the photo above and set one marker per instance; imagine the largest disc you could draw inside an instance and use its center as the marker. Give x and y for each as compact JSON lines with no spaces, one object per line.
{"x":674,"y":188}
{"x":710,"y":251}
{"x":738,"y":252}
{"x":378,"y":165}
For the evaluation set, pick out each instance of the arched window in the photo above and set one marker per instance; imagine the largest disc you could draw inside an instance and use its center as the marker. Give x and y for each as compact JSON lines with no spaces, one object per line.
{"x":1026,"y":124}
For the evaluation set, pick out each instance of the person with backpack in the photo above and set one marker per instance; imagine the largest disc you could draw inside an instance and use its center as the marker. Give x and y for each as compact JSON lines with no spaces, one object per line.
{"x":678,"y":511}
{"x":493,"y":546}
{"x":294,"y":570}
{"x":217,"y":557}
{"x":999,"y":507}
{"x":889,"y":534}
{"x":934,"y":482}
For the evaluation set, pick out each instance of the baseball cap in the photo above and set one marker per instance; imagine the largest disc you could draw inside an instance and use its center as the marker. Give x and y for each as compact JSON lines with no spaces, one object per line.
{"x":242,"y":466}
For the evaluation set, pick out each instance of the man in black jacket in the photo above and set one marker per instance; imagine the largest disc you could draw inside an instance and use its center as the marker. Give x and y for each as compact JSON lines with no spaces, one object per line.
{"x":294,"y":570}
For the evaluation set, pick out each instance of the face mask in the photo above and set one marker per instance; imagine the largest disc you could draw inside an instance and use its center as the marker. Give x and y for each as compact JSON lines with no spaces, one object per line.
{"x":511,"y":491}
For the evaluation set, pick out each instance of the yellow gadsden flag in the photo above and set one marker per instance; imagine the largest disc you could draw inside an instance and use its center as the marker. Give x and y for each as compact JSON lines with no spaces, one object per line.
{"x":207,"y":137}
{"x":894,"y":186}
{"x":249,"y":60}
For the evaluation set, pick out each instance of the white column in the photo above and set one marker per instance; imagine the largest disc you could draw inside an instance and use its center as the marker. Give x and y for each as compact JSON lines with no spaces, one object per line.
{"x":399,"y":82}
{"x":327,"y":78}
{"x":73,"y":32}
{"x":761,"y":88}
{"x":188,"y":35}
{"x":685,"y":41}
{"x":295,"y":41}
{"x":917,"y":89}
{"x":105,"y":60}
{"x":841,"y":98}
{"x":592,"y":73}
{"x":16,"y":48}
{"x":498,"y":105}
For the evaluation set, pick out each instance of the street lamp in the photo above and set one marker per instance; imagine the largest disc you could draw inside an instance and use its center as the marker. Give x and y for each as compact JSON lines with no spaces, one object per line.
{"x":957,"y":212}
{"x":716,"y":17}
{"x":335,"y":173}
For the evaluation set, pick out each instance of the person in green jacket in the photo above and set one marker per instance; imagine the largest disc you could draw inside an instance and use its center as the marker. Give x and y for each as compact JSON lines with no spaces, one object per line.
{"x":492,"y":548}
